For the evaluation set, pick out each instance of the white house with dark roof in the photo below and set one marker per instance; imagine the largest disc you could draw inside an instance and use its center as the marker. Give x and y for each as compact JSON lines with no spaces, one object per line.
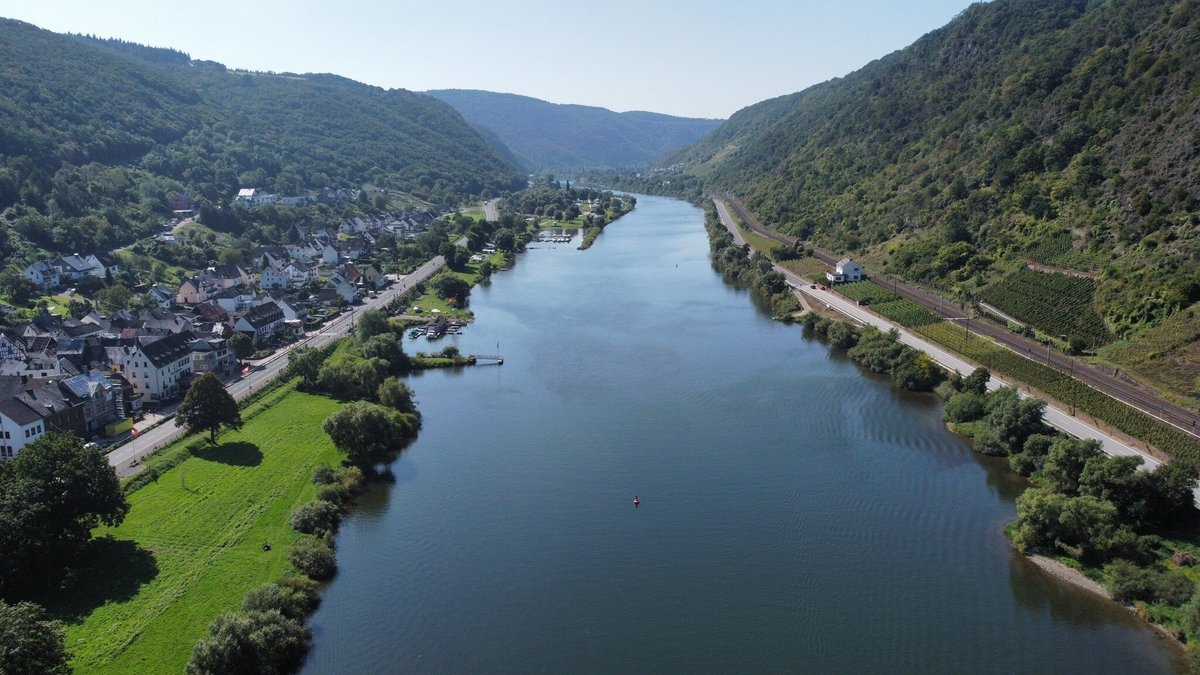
{"x":43,"y":275}
{"x":846,"y":270}
{"x":20,"y":425}
{"x":261,"y":322}
{"x":274,"y":278}
{"x":159,"y":370}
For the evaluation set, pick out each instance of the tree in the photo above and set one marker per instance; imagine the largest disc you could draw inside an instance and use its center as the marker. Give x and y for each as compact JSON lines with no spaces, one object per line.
{"x":207,"y":407}
{"x":963,"y":407}
{"x":841,"y":335}
{"x":78,"y":308}
{"x":242,"y":345}
{"x":388,"y":347}
{"x":397,"y":395}
{"x":976,"y":382}
{"x":113,"y":299}
{"x":1065,"y":463}
{"x":294,"y":598}
{"x":366,"y":432}
{"x":316,"y":517}
{"x":14,"y":285}
{"x":1009,"y":421}
{"x":29,"y":642}
{"x":314,"y":558}
{"x":51,"y":498}
{"x":264,"y":642}
{"x":451,"y":286}
{"x":372,"y":322}
{"x":506,"y":240}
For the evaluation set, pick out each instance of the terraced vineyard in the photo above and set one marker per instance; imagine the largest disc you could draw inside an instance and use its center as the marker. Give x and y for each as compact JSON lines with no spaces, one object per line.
{"x":867,"y":291}
{"x":1065,"y":389}
{"x":1059,"y":250}
{"x":1056,"y":304}
{"x":906,"y":313}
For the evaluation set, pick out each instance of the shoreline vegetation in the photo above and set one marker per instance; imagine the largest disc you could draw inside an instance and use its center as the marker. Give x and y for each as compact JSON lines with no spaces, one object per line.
{"x":1088,"y":519}
{"x":229,"y":538}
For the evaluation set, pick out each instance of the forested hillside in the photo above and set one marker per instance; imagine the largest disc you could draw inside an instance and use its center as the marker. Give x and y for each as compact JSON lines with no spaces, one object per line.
{"x":1059,"y":132}
{"x":547,"y":135}
{"x":96,"y":136}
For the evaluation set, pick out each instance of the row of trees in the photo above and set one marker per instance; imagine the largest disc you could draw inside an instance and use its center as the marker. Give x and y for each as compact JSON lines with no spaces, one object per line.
{"x":743,"y":266}
{"x":268,"y":635}
{"x":881,"y":352}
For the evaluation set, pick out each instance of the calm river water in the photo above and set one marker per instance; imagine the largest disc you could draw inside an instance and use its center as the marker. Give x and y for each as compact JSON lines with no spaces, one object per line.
{"x":797,"y":513}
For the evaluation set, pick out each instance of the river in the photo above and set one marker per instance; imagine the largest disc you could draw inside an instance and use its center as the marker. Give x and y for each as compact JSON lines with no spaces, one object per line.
{"x":797,"y":513}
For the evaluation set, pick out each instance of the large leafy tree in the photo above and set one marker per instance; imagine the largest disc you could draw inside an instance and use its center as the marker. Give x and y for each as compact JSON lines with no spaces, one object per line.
{"x":29,"y":642}
{"x":207,"y":407}
{"x":51,"y":498}
{"x":366,"y":432}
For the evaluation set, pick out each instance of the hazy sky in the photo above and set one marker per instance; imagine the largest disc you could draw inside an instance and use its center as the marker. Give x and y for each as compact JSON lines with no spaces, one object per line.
{"x":704,"y":58}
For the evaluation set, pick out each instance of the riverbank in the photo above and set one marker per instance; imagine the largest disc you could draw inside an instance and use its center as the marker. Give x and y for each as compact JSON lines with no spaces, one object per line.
{"x":638,"y":370}
{"x":191,"y":546}
{"x":1069,"y":575}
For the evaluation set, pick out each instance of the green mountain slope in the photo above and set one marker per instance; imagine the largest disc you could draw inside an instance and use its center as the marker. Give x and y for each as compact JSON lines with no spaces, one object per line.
{"x":1061,"y":132}
{"x":96,"y":136}
{"x":553,"y":136}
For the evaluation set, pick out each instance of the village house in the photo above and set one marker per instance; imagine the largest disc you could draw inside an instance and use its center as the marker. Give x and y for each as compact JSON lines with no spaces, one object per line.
{"x":300,"y":273}
{"x":343,"y":287}
{"x":161,"y":296}
{"x":222,"y":277}
{"x":193,"y":291}
{"x":159,"y":370}
{"x":293,"y":310}
{"x":43,"y":275}
{"x":232,"y":300}
{"x":371,"y":276}
{"x":20,"y":425}
{"x":261,"y":322}
{"x":273,"y":256}
{"x":252,"y":197}
{"x":102,"y":400}
{"x":846,"y":270}
{"x":274,"y":277}
{"x":212,"y":355}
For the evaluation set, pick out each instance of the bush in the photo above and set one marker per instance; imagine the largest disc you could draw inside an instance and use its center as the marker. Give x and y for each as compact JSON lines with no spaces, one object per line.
{"x":841,"y":335}
{"x":964,"y":407}
{"x":255,"y":642}
{"x":294,"y":601}
{"x":314,"y":558}
{"x":326,"y":475}
{"x":397,"y":395}
{"x":1130,"y":583}
{"x":316,"y":517}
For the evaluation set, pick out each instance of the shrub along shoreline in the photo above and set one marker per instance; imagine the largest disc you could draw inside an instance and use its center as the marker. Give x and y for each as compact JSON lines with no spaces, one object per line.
{"x":380,"y":418}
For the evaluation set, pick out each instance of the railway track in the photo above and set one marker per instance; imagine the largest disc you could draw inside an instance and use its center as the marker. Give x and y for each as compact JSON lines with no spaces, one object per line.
{"x":1112,"y":384}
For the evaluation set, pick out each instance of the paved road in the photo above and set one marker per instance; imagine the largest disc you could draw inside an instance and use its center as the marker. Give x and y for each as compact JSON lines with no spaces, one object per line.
{"x":490,"y":213}
{"x":1110,"y":383}
{"x":125,"y":457}
{"x":727,"y":220}
{"x":1055,"y":416}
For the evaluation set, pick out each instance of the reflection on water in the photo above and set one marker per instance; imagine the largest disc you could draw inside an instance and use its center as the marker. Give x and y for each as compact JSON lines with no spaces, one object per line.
{"x":797,"y":512}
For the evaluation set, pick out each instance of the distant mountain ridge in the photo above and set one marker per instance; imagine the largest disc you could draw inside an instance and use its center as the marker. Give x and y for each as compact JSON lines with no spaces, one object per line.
{"x":96,"y":135}
{"x":546,"y":135}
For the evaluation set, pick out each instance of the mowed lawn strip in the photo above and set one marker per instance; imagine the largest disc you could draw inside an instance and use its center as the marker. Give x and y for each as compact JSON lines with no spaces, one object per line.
{"x":204,"y":522}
